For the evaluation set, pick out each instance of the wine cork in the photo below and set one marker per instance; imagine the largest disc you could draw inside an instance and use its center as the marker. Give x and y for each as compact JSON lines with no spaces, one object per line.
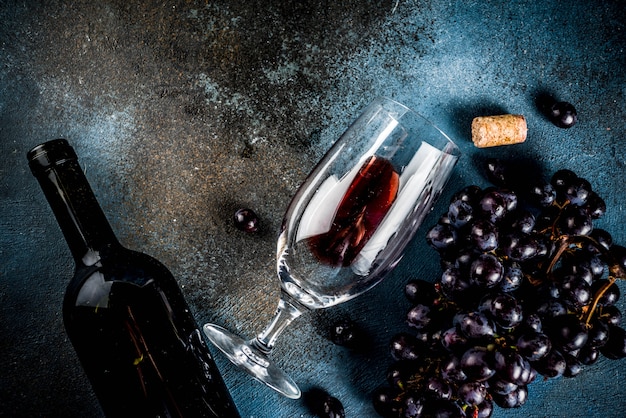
{"x":493,"y":131}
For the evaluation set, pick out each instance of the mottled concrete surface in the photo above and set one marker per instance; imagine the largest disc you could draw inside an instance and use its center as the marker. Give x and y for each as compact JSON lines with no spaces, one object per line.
{"x":183,"y":111}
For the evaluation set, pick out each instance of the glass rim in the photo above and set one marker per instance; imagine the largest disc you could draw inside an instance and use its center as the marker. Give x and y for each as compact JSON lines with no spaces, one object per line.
{"x":452,"y":148}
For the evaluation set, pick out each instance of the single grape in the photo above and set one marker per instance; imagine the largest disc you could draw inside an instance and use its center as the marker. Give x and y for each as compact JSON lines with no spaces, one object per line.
{"x":475,"y":325}
{"x":346,"y":332}
{"x":573,"y":366}
{"x":477,"y":364}
{"x":497,"y":172}
{"x":419,"y":317}
{"x":405,"y":346}
{"x":441,"y":237}
{"x":578,"y":191}
{"x":515,"y":399}
{"x":472,"y":393}
{"x":323,"y":405}
{"x":437,"y":387}
{"x":568,"y":332}
{"x":598,"y":333}
{"x":419,"y":291}
{"x":552,"y":365}
{"x":562,"y":179}
{"x":386,"y":403}
{"x":543,"y":194}
{"x":534,"y":345}
{"x":575,"y":221}
{"x":611,"y":294}
{"x":563,"y":114}
{"x":513,"y":277}
{"x":595,"y":206}
{"x":246,"y":220}
{"x":484,"y":235}
{"x":493,"y":206}
{"x":486,"y":271}
{"x":460,"y":213}
{"x":615,"y":347}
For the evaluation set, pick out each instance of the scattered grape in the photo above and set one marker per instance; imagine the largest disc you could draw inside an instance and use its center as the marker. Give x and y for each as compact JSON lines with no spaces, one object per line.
{"x":246,"y":220}
{"x":528,"y":287}
{"x":563,"y":114}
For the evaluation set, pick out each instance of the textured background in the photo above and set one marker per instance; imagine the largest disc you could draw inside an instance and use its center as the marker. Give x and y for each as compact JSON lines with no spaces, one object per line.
{"x":183,"y":111}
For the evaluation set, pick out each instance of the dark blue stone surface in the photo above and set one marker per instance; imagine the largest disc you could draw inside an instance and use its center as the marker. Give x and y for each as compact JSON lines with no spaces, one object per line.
{"x":184,"y":111}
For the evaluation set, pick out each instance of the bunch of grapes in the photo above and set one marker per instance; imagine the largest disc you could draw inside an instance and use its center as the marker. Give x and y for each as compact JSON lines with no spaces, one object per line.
{"x":528,"y":288}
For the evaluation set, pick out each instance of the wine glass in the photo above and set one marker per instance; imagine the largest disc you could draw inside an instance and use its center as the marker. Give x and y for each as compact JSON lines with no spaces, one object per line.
{"x":348,"y":224}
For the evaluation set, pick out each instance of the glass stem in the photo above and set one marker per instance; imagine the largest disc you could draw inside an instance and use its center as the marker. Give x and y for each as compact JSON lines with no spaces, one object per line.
{"x":288,"y":310}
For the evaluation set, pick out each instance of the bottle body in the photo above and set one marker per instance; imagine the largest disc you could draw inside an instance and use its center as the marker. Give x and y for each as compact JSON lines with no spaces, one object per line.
{"x":124,"y":312}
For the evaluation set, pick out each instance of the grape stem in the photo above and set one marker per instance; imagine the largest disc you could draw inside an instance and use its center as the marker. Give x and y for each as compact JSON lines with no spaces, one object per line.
{"x":615,"y":270}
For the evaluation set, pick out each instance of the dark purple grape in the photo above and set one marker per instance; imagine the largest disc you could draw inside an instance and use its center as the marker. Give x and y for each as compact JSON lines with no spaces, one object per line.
{"x":543,"y":194}
{"x":451,"y":369}
{"x":323,"y":404}
{"x":533,"y":322}
{"x":505,"y":311}
{"x":441,"y":237}
{"x":386,"y":403}
{"x":611,"y":315}
{"x":452,"y":282}
{"x":413,"y":406}
{"x":573,"y":366}
{"x":602,"y":237}
{"x":469,"y":194}
{"x":347,"y":333}
{"x":493,"y":206}
{"x":497,"y":172}
{"x":475,"y":325}
{"x":575,"y":221}
{"x":578,"y":191}
{"x":551,"y":308}
{"x":521,"y":221}
{"x":510,"y":199}
{"x":615,"y":347}
{"x":598,"y":333}
{"x":486,"y":271}
{"x":472,"y":393}
{"x":405,"y":346}
{"x":484,"y":410}
{"x":512,"y":367}
{"x":595,"y":206}
{"x":443,"y":408}
{"x":515,"y":399}
{"x":520,"y":247}
{"x":534,"y":345}
{"x":453,"y":339}
{"x":460,"y":213}
{"x":610,"y":296}
{"x":499,"y":386}
{"x":563,"y":114}
{"x":246,"y":220}
{"x":484,"y":235}
{"x":588,"y":355}
{"x":562,"y":179}
{"x":552,"y":365}
{"x":575,"y":291}
{"x":477,"y":364}
{"x":568,"y":332}
{"x":419,"y":316}
{"x":438,"y":388}
{"x":419,"y":291}
{"x":513,"y":277}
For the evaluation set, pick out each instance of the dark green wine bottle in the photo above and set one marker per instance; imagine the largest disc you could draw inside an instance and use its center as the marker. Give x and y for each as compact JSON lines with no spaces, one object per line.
{"x":123,"y":310}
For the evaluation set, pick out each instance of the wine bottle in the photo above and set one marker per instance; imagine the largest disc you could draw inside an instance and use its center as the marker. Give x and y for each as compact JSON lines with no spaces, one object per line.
{"x":123,"y":310}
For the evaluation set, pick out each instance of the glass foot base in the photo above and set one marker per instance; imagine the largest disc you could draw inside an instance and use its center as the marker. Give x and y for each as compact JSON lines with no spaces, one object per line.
{"x":247,"y":357}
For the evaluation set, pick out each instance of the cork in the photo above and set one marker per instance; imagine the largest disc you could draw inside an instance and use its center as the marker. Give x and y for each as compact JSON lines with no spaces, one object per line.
{"x":493,"y":131}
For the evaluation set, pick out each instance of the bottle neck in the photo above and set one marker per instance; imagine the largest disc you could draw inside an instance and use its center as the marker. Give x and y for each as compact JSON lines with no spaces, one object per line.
{"x":84,"y":225}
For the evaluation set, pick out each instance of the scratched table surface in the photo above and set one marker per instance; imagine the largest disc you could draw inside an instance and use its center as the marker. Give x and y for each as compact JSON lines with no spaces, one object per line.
{"x":183,"y":111}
